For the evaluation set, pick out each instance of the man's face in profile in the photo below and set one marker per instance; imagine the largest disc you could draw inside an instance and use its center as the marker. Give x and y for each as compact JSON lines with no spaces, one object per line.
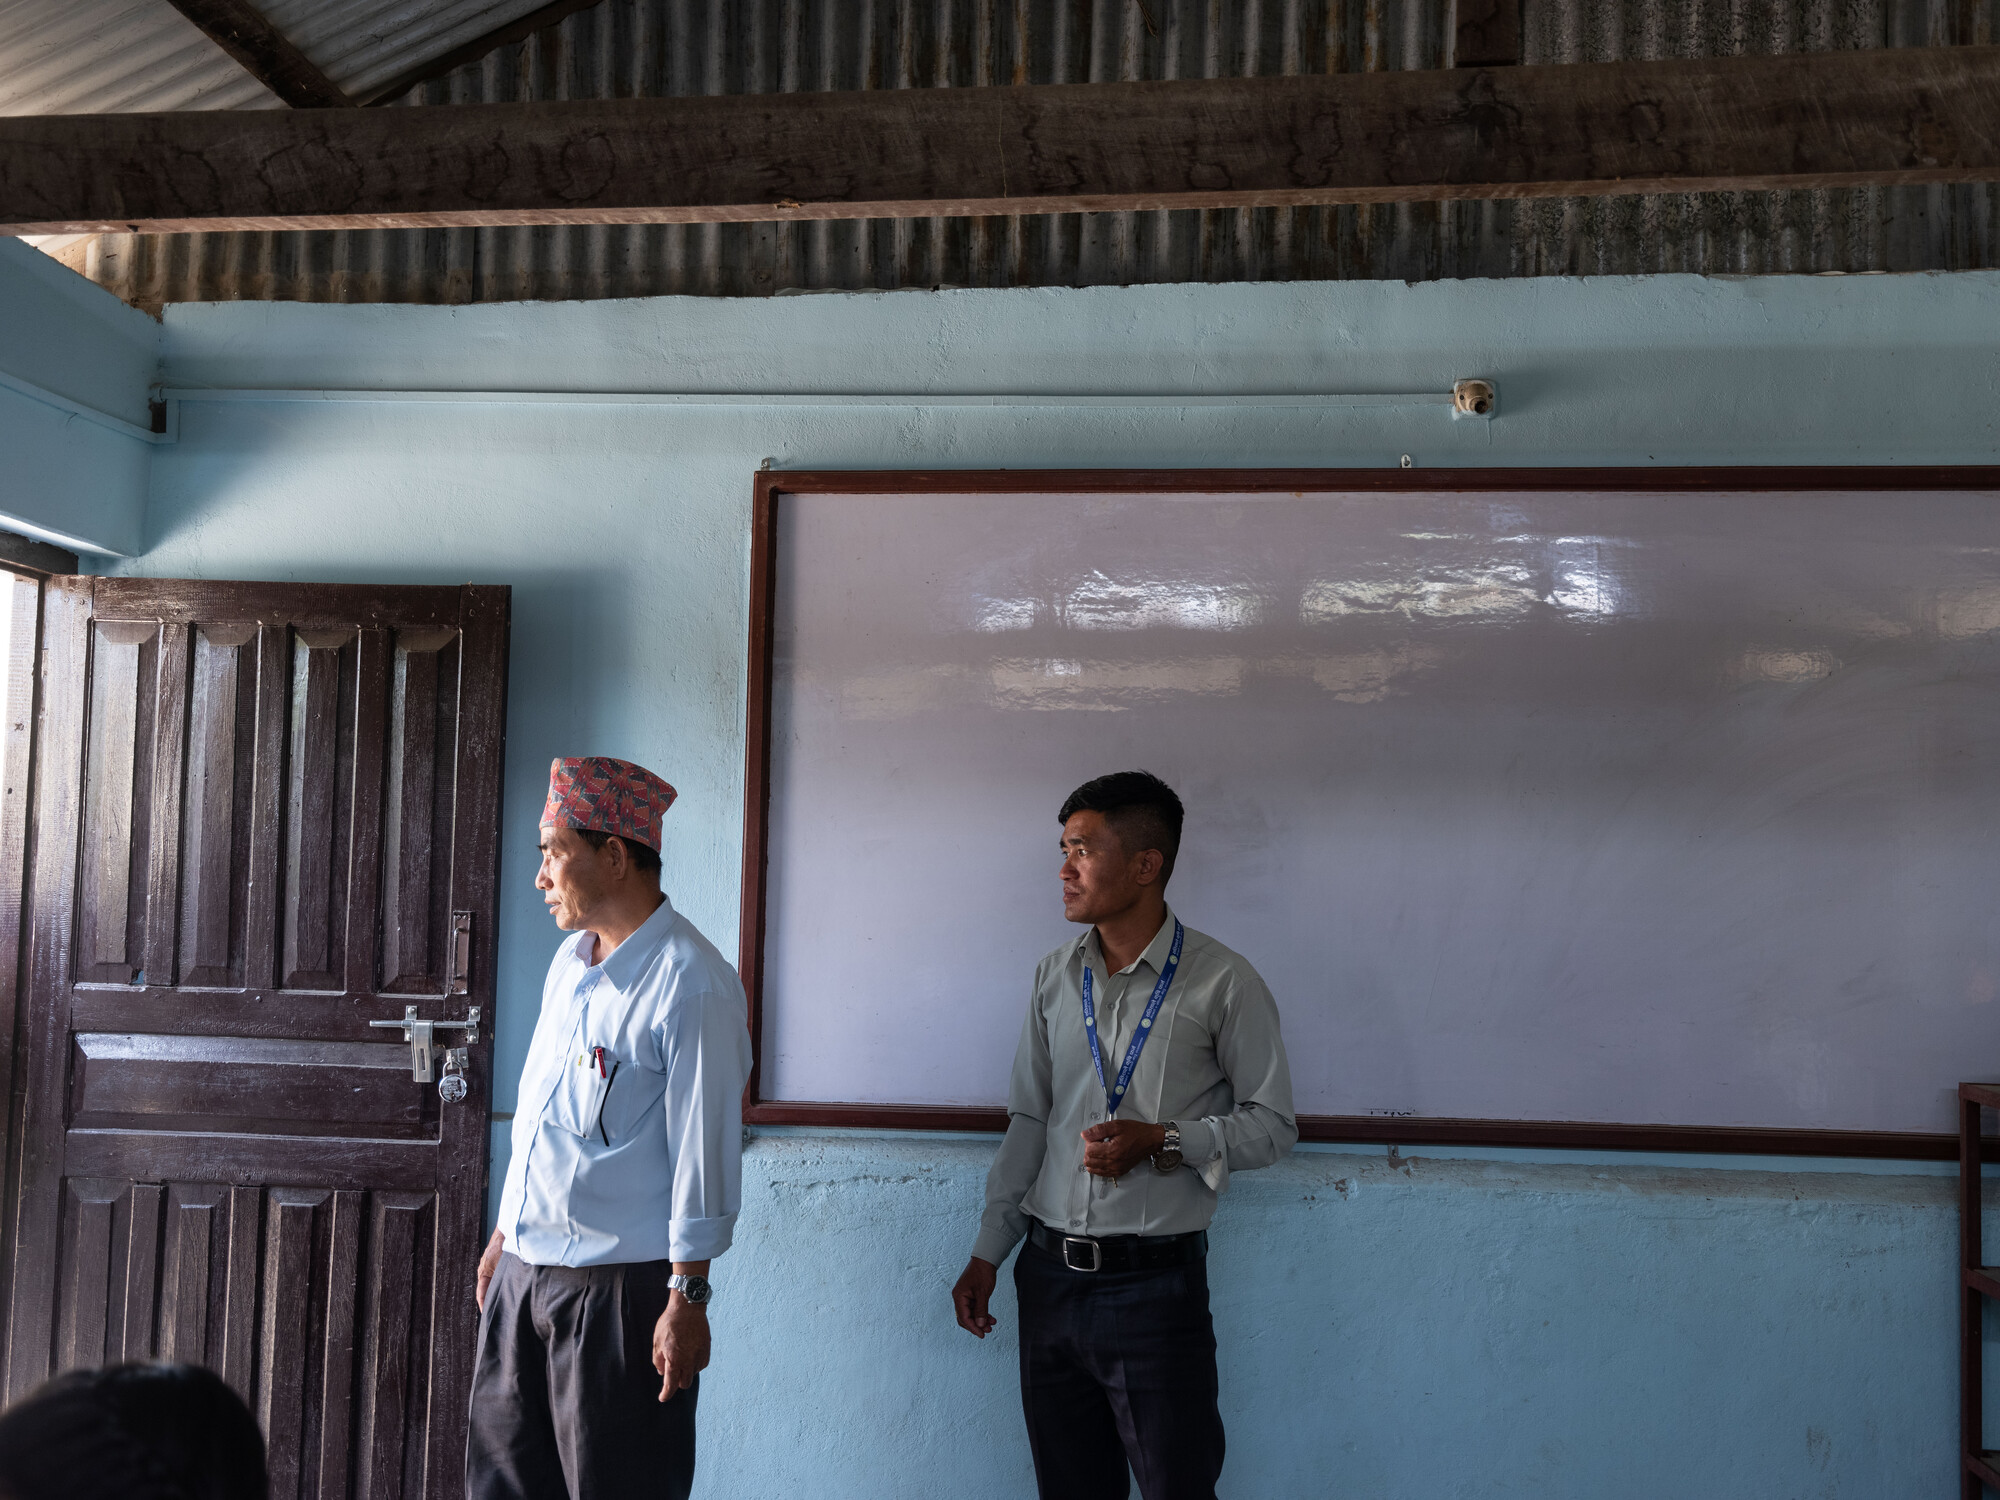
{"x":571,"y":878}
{"x":1099,"y":879}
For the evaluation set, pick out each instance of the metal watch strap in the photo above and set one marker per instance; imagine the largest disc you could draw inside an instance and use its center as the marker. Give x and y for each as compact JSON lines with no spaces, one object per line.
{"x":1171,"y":1145}
{"x":697,"y":1289}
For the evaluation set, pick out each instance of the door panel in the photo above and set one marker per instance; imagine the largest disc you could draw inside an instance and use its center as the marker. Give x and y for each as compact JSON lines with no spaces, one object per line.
{"x":117,"y":832}
{"x":260,"y":810}
{"x":148,"y":1081}
{"x":222,"y":765}
{"x":321,"y":750}
{"x":417,"y":826}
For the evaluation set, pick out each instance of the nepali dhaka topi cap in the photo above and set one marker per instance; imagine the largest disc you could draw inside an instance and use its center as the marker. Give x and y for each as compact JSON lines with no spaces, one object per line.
{"x":608,"y":796}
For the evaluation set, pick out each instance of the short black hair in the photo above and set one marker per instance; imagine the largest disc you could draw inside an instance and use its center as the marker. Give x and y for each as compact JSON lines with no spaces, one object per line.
{"x":643,"y":856}
{"x":1141,"y":809}
{"x":134,"y":1432}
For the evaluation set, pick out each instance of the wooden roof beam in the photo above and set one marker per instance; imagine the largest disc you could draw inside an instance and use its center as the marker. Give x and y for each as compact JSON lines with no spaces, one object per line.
{"x":265,"y":52}
{"x":1485,"y":33}
{"x":1812,"y":120}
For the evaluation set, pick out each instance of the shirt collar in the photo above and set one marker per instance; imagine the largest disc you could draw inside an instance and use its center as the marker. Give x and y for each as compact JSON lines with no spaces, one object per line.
{"x":630,"y":958}
{"x":1153,"y":954}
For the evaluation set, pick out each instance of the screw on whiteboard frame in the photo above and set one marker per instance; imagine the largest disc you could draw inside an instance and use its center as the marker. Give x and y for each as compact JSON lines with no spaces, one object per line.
{"x":1406,"y":460}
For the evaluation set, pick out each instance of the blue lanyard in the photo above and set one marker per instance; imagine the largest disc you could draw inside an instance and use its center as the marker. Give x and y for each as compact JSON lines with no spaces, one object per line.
{"x":1113,"y":1097}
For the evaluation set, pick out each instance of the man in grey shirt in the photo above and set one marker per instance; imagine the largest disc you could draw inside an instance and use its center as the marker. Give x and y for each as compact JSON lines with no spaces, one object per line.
{"x":1150,"y":1068}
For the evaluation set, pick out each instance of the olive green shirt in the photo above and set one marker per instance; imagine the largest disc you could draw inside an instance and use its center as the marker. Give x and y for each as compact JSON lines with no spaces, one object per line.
{"x":1215,"y":1065}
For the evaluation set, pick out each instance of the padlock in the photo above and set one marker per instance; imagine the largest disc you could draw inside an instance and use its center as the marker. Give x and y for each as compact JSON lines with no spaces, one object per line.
{"x":452,"y":1087}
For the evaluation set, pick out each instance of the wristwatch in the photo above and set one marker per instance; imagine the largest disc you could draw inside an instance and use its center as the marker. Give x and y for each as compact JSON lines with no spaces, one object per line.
{"x":1168,"y":1157}
{"x":695,"y":1288}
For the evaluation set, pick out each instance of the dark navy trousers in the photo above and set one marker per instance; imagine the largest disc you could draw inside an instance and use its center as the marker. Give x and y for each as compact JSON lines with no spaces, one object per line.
{"x":1118,"y":1370}
{"x":565,"y":1400}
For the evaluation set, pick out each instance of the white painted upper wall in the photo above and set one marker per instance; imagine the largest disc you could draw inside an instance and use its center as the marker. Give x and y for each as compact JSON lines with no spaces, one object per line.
{"x":63,"y":477}
{"x":1668,"y":369}
{"x":624,"y":530}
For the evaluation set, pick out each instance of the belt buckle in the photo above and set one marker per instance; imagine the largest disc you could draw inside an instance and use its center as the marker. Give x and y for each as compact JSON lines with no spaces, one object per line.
{"x":1096,"y":1253}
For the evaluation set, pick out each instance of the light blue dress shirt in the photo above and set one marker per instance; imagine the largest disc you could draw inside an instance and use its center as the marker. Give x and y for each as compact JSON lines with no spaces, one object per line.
{"x":628,"y":1133}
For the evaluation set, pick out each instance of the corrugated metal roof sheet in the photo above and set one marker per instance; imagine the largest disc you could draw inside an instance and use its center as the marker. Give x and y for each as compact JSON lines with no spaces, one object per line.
{"x":63,"y":57}
{"x":111,"y":56}
{"x":364,"y":44}
{"x":621,"y":48}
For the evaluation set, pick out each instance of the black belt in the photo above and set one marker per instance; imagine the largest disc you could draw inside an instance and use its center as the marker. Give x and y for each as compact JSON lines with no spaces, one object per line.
{"x":1119,"y":1252}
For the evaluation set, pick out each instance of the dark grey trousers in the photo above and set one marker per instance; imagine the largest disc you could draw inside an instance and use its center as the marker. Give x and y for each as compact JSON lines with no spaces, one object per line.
{"x":565,"y":1400}
{"x":1118,"y":1370}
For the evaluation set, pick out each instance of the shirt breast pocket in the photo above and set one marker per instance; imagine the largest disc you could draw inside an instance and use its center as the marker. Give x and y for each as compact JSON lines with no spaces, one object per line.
{"x":631,"y":1100}
{"x":578,"y":1093}
{"x":604,"y":1096}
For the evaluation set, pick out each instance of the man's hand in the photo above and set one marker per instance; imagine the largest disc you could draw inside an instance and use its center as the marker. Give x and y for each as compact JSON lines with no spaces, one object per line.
{"x":1117,"y":1146}
{"x":970,"y":1296}
{"x":489,"y":1262}
{"x":680,"y":1345}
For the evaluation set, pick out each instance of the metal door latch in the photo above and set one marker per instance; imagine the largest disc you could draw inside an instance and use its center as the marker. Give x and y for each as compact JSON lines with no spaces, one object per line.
{"x":423,"y":1043}
{"x":457,"y":981}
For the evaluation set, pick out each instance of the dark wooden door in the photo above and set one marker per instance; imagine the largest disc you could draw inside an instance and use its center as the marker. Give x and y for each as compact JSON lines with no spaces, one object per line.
{"x":257,"y":809}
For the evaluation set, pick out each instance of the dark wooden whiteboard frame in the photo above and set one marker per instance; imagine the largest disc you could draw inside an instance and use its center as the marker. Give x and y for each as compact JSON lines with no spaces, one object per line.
{"x":771,"y":486}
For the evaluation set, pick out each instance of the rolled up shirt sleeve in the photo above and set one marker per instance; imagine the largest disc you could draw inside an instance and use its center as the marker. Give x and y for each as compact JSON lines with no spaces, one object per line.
{"x":1030,"y":1095}
{"x":1201,"y":1140}
{"x":706,"y":1052}
{"x":1262,"y":1127}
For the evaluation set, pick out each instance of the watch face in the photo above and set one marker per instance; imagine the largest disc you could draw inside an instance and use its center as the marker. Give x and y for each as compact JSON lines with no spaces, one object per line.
{"x":1166,"y":1161}
{"x":695,"y":1288}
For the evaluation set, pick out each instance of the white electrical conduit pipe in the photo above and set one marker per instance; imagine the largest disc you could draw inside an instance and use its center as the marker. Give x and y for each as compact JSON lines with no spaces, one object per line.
{"x":91,"y":414}
{"x":1470,"y":398}
{"x":1474,"y":398}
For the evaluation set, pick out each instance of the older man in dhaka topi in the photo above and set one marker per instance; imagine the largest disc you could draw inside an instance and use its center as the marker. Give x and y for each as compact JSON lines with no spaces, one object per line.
{"x":626,"y":1173}
{"x":1150,"y":1068}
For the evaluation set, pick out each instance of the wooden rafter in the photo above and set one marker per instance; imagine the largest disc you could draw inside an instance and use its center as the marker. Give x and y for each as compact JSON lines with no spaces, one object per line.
{"x":265,"y":52}
{"x":1485,"y":33}
{"x":1839,"y":119}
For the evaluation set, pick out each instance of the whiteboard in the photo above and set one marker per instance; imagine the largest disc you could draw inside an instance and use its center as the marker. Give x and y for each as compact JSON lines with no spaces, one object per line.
{"x":1675,"y":809}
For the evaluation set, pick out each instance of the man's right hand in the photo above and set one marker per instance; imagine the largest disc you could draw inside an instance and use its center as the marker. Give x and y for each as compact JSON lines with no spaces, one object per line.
{"x":489,"y":1262}
{"x":969,"y":1297}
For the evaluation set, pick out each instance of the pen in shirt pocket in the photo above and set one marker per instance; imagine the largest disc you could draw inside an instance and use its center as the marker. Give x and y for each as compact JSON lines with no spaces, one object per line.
{"x":597,"y":1056}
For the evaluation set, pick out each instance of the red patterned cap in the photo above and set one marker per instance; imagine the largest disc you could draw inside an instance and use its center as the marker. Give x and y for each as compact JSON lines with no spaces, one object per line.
{"x":610,"y":796}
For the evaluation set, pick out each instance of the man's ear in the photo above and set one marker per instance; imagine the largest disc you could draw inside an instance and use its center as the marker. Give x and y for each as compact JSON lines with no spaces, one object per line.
{"x":1151,"y":862}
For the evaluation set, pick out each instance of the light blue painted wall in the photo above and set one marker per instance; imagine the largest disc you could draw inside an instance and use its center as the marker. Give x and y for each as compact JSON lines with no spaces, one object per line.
{"x":63,"y":477}
{"x":1512,"y":1323}
{"x":1388,"y":1328}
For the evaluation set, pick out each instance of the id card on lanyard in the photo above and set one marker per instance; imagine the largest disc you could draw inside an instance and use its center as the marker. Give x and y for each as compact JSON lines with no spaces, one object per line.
{"x":1114,"y":1095}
